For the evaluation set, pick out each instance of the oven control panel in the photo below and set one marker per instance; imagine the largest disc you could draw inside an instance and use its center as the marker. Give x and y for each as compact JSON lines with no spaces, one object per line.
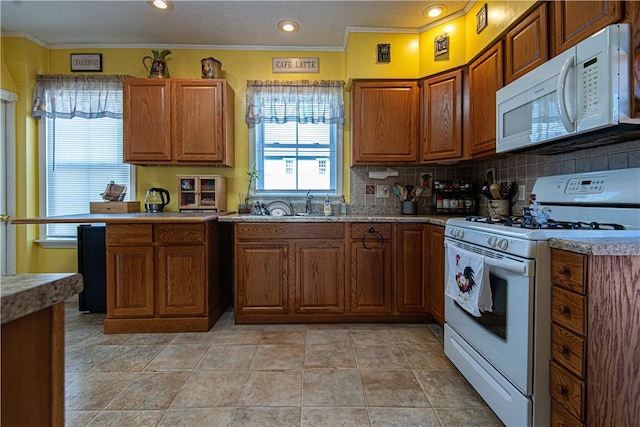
{"x":612,"y":187}
{"x":591,"y":185}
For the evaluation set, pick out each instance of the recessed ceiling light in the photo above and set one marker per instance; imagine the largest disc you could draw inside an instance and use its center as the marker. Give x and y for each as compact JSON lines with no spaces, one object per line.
{"x":161,"y":4}
{"x":288,"y":26}
{"x":434,"y":11}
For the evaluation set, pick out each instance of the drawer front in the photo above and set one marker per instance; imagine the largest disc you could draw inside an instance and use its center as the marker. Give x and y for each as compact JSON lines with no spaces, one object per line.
{"x":568,"y":349}
{"x":307,"y":230}
{"x":568,"y":270}
{"x":560,"y":417}
{"x":567,"y":390}
{"x":129,"y":233}
{"x":360,"y":229}
{"x":179,"y":233}
{"x":567,"y":309}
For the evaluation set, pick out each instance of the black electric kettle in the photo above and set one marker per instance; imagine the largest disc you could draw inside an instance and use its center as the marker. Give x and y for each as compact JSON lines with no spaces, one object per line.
{"x":155,"y":199}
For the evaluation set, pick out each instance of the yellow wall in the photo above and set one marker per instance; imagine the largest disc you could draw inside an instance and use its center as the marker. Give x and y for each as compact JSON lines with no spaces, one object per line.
{"x":411,"y":57}
{"x":362,"y":56}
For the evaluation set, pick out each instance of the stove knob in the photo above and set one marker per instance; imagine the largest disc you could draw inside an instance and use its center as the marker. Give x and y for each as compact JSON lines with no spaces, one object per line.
{"x":457,"y":233}
{"x":503,"y":244}
{"x":492,"y":241}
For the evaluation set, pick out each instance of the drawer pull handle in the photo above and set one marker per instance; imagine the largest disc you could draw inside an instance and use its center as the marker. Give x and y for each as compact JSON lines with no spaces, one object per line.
{"x":564,"y":349}
{"x":561,"y":389}
{"x":563,"y":269}
{"x":564,"y":309}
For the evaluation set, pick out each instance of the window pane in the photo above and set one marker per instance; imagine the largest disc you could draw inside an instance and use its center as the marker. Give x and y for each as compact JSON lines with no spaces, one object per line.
{"x":83,"y":156}
{"x":296,"y":157}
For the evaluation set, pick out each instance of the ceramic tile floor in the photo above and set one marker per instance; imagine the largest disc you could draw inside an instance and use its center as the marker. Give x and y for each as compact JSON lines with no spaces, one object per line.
{"x":265,"y":375}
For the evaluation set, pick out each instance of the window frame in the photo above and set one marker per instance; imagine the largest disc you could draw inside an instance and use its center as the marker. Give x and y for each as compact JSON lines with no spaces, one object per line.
{"x":337,"y":131}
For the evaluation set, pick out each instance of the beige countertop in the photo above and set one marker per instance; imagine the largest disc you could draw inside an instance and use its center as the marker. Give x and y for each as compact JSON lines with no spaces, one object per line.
{"x":428,"y":219}
{"x":599,"y":245}
{"x":141,"y":217}
{"x":23,"y":294}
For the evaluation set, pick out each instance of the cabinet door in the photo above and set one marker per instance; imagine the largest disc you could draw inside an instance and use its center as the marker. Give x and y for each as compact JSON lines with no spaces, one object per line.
{"x":485,"y":78}
{"x":261,"y":278}
{"x":442,"y":117}
{"x":147,"y":120}
{"x":371,"y":275}
{"x":181,"y":280}
{"x":130,"y":279}
{"x":413,"y":267}
{"x":526,"y":45}
{"x":574,"y":21}
{"x":436,"y":272}
{"x":319,"y":283}
{"x":385,"y":122}
{"x":197,"y":119}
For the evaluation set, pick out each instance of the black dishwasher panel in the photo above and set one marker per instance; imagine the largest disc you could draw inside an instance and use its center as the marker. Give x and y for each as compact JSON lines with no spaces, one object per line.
{"x":92,"y":259}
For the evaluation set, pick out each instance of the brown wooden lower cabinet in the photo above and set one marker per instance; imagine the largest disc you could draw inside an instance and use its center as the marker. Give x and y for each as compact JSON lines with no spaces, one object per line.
{"x":436,"y":272}
{"x":163,"y":277}
{"x":370,"y":281}
{"x":413,"y":268}
{"x":595,"y":344}
{"x":319,"y":277}
{"x":33,"y":369}
{"x":332,"y":272}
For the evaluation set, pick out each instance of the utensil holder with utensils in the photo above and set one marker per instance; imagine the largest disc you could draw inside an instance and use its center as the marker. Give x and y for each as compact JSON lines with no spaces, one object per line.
{"x":409,"y":207}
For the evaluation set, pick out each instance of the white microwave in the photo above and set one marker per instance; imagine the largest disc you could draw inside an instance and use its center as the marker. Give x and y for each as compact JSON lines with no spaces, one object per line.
{"x":583,"y":91}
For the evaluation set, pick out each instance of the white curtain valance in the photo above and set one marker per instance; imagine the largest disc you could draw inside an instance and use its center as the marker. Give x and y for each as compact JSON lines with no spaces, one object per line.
{"x":304,"y":101}
{"x":86,"y":96}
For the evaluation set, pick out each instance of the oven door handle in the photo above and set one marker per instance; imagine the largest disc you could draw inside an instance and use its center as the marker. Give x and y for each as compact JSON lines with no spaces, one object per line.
{"x":517,"y":267}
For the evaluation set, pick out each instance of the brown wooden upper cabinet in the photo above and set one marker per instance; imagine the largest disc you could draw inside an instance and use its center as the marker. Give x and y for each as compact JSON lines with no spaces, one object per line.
{"x":441,"y":117}
{"x":526,"y":45}
{"x":385,"y":118}
{"x":574,"y":21}
{"x":178,"y":121}
{"x":485,"y":78}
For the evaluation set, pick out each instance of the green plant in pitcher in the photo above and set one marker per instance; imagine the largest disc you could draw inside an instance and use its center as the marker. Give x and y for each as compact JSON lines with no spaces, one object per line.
{"x":253,"y":174}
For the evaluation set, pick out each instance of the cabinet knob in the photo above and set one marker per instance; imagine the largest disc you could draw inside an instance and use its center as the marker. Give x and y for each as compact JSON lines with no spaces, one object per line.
{"x":563,"y":269}
{"x":561,"y":389}
{"x":564,"y":349}
{"x":563,"y":309}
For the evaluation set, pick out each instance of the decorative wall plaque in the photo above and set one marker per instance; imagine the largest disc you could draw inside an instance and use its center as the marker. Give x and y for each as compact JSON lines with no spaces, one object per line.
{"x":86,"y":62}
{"x":481,"y":19}
{"x":295,"y":65}
{"x":441,"y":45}
{"x":384,"y":53}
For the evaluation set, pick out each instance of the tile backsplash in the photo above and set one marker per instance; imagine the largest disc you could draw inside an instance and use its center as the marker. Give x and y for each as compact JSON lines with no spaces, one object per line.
{"x":522,"y":168}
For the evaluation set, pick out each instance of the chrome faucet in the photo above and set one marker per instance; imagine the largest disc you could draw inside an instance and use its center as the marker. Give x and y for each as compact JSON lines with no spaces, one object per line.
{"x":307,"y":207}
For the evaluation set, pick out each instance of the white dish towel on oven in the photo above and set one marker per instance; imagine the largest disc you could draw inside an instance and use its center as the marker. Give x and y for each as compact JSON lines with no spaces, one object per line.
{"x":467,"y":280}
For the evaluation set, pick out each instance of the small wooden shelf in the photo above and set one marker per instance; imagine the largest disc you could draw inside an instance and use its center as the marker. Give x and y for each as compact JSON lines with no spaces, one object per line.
{"x":201,"y":192}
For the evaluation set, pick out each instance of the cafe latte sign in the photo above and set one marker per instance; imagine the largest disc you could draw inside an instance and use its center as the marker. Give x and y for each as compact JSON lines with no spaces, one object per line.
{"x":295,"y":65}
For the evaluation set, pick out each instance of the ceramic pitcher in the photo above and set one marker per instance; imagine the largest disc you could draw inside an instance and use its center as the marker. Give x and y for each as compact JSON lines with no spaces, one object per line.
{"x":158,"y":66}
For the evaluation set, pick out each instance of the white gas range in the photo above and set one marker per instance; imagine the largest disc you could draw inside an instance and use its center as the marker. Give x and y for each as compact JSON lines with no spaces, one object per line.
{"x":505,"y":353}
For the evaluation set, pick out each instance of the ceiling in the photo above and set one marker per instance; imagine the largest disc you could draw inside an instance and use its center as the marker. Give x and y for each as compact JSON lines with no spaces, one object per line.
{"x":239,"y":23}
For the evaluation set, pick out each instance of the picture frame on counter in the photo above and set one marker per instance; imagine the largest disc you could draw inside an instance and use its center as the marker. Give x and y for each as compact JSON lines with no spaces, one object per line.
{"x":481,"y":19}
{"x":91,"y":62}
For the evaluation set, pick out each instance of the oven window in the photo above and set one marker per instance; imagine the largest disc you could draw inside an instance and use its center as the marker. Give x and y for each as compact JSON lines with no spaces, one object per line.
{"x":496,"y":321}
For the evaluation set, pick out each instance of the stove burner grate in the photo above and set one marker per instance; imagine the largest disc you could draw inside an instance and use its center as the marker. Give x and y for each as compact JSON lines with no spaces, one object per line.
{"x":519,"y":221}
